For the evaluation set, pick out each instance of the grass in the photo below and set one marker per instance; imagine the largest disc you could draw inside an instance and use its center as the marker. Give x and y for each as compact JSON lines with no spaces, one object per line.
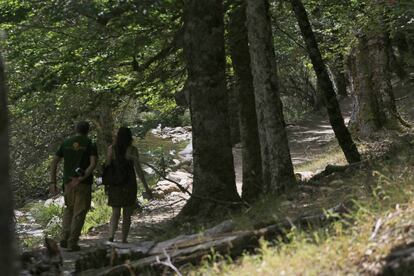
{"x":380,"y":191}
{"x":332,"y":155}
{"x":100,"y":212}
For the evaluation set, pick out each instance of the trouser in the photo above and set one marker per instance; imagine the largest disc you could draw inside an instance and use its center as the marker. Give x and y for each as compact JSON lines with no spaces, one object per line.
{"x":126,"y":221}
{"x":78,"y":202}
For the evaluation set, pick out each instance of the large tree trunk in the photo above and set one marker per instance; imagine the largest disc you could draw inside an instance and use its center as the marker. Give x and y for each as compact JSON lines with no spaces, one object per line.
{"x":276,"y":158}
{"x":213,"y":160}
{"x":239,"y":50}
{"x":334,"y":112}
{"x":374,"y":104}
{"x":6,"y":198}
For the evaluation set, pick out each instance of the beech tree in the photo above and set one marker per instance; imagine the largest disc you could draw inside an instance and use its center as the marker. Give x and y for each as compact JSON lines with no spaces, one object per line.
{"x":276,"y":161}
{"x":334,"y":112}
{"x":6,"y":202}
{"x":239,"y":51}
{"x":214,"y":179}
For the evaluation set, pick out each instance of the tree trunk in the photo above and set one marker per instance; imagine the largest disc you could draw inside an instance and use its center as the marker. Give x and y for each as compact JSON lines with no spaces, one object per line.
{"x":276,"y":158}
{"x":105,"y":127}
{"x":339,"y":76}
{"x":233,"y":109}
{"x":334,"y":112}
{"x":373,"y":94}
{"x":6,"y":198}
{"x":214,"y":176}
{"x":239,"y":50}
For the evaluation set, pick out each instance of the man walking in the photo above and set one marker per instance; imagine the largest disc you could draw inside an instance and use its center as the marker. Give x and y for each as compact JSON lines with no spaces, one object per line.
{"x":79,"y":156}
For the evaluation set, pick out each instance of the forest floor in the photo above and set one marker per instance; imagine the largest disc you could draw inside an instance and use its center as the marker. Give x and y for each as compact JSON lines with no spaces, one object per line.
{"x":312,"y":147}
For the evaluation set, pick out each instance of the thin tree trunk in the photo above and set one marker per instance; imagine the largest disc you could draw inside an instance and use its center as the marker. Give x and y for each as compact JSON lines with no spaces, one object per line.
{"x":6,"y":198}
{"x":334,"y":112}
{"x":239,"y":50}
{"x":105,"y":127}
{"x":273,"y":137}
{"x":213,"y":160}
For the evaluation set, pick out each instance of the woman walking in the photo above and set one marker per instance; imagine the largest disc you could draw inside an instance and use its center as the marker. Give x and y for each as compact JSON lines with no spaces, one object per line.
{"x":123,"y":196}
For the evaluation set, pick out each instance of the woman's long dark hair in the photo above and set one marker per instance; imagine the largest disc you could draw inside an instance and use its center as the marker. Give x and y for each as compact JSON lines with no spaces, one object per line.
{"x":122,"y":142}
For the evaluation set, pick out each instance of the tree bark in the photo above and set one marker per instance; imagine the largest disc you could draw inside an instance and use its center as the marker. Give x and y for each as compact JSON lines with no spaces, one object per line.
{"x":334,"y":112}
{"x":213,"y":159}
{"x":105,"y":127}
{"x":339,"y":76}
{"x":6,"y":198}
{"x":251,"y":154}
{"x":374,"y":103}
{"x":276,"y":161}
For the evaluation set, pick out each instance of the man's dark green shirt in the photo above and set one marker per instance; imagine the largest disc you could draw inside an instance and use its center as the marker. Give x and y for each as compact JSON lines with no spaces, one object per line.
{"x":76,"y":152}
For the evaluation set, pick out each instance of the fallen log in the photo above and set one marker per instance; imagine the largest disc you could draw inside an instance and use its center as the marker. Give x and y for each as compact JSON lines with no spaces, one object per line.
{"x":192,"y":249}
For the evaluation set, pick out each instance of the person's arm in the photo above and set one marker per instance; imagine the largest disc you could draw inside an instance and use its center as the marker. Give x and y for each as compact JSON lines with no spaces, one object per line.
{"x":140,"y":172}
{"x":92,"y":165}
{"x":53,"y":187}
{"x":108,"y":156}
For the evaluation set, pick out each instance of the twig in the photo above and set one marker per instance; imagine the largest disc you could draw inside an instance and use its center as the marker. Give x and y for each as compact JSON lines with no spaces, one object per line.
{"x":402,"y":98}
{"x":376,"y":229}
{"x":184,"y":190}
{"x":168,"y":263}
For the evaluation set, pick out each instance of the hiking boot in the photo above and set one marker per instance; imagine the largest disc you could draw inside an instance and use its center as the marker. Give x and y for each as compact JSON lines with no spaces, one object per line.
{"x":74,"y":248}
{"x":63,"y":244}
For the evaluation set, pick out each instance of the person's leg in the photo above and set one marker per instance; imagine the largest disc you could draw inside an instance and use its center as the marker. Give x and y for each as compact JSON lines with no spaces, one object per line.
{"x":66,"y":222}
{"x":126,"y":221}
{"x":113,"y":224}
{"x":69,"y":197}
{"x":80,"y":209}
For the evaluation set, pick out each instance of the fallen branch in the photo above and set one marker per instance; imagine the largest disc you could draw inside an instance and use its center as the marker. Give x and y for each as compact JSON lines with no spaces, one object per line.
{"x":168,"y":263}
{"x":184,"y":190}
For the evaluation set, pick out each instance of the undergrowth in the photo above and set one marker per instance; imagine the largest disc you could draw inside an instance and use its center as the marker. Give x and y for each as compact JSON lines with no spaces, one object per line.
{"x":377,"y":191}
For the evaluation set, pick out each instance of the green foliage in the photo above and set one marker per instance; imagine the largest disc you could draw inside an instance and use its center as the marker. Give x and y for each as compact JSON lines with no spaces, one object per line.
{"x":381,"y":191}
{"x":67,"y":59}
{"x":49,"y":217}
{"x":100,"y":212}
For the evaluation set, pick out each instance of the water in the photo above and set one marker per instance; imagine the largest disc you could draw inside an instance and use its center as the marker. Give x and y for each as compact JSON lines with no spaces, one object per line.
{"x":152,"y":145}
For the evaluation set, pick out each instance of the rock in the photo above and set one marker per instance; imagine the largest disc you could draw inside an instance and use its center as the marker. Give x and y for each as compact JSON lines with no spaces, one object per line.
{"x":177,"y":135}
{"x":187,"y":152}
{"x":59,"y":201}
{"x":166,"y":187}
{"x":304,"y":176}
{"x":148,"y":170}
